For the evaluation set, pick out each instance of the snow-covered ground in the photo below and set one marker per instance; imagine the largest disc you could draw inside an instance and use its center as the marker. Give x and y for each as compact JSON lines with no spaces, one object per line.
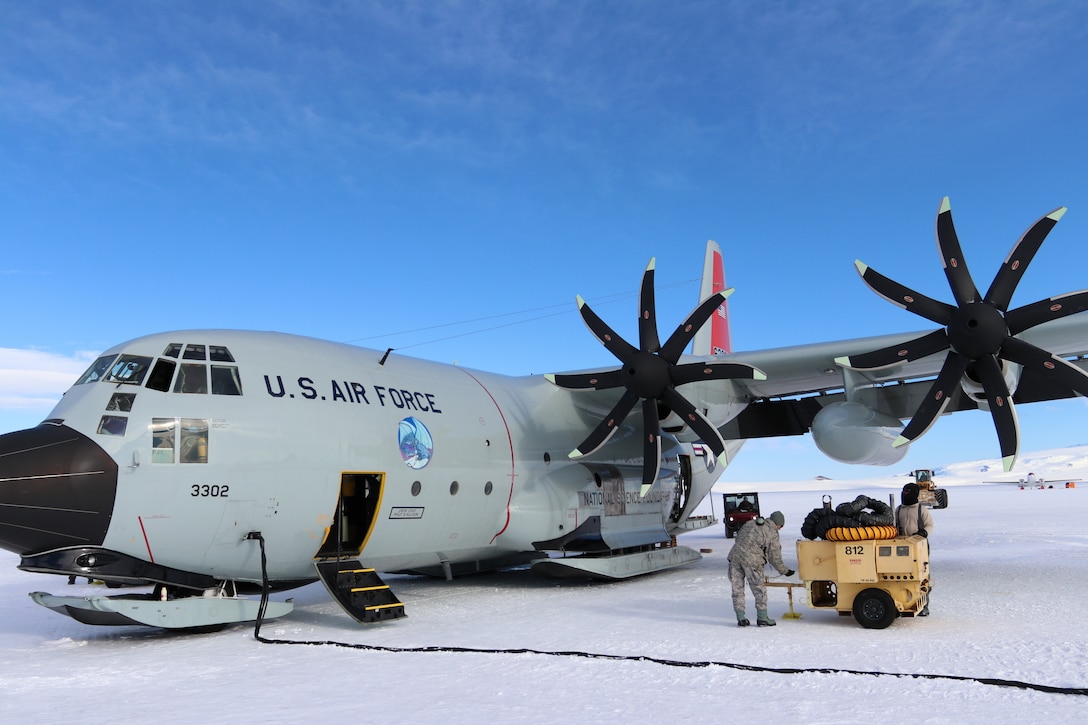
{"x":1010,"y":603}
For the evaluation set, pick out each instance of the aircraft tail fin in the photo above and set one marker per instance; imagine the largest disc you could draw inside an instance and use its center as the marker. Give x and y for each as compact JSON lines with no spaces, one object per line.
{"x":714,"y":337}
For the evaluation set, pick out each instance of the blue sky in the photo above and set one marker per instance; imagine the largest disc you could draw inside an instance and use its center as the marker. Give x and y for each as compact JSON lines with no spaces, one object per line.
{"x":444,"y":178}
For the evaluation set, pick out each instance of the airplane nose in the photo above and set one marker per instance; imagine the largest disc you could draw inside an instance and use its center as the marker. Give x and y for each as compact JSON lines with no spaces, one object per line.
{"x":57,"y":488}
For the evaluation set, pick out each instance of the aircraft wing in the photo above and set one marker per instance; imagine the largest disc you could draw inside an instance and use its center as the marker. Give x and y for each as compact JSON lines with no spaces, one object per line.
{"x":812,"y":368}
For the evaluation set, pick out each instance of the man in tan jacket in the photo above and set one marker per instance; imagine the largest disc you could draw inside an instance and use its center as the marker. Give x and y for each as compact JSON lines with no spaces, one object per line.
{"x":913,"y":518}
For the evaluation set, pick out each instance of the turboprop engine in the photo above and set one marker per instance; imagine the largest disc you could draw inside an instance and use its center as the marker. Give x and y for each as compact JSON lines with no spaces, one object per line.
{"x":650,"y":374}
{"x":855,"y":433}
{"x":978,"y":334}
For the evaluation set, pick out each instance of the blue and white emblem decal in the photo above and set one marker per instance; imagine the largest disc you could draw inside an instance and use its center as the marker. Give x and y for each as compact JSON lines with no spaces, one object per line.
{"x":416,"y":446}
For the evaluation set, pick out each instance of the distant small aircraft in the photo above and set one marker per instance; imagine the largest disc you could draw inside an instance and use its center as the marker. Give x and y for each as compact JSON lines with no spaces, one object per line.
{"x":212,"y":464}
{"x":1033,"y":480}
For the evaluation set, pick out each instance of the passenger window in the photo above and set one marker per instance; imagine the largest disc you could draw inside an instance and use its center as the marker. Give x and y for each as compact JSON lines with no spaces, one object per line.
{"x":129,"y":369}
{"x":218,"y":353}
{"x":161,"y":375}
{"x":172,"y":350}
{"x":97,"y":370}
{"x":112,"y":425}
{"x":225,"y":380}
{"x":121,"y":402}
{"x":162,"y":440}
{"x":193,"y":378}
{"x":194,"y":441}
{"x":195,"y":352}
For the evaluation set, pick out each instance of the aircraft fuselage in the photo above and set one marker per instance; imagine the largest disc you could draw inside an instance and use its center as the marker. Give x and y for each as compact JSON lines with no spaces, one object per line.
{"x":321,"y":447}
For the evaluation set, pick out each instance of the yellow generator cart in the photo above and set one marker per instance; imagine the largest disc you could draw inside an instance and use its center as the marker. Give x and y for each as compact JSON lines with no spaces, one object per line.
{"x":876,"y":580}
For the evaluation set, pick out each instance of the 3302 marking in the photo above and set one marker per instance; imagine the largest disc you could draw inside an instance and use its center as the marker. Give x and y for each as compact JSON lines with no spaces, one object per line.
{"x":210,"y":490}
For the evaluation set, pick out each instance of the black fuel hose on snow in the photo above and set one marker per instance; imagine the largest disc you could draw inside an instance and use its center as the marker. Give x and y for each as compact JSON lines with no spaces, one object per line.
{"x":997,"y":682}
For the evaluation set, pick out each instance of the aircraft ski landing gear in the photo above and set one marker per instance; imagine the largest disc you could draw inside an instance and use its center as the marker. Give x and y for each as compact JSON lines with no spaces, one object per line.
{"x":617,"y":565}
{"x":213,"y":609}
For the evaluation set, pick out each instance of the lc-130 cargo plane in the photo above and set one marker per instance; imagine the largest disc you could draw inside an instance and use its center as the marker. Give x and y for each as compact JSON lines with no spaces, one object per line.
{"x":212,"y":464}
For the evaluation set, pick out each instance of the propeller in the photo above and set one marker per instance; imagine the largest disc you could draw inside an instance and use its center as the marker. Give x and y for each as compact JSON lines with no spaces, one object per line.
{"x":978,"y":332}
{"x":650,"y":374}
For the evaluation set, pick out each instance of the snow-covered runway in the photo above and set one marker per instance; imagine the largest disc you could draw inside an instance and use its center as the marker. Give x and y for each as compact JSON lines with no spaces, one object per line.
{"x":1010,"y":602}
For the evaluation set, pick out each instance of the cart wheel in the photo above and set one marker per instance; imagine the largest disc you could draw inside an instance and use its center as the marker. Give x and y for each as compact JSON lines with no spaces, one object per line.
{"x":874,"y":609}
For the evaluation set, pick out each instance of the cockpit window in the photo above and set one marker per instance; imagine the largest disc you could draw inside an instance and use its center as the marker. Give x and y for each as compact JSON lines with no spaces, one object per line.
{"x":188,"y":436}
{"x":162,"y":440}
{"x":112,"y":425}
{"x":218,"y":353}
{"x":161,"y":375}
{"x":193,"y":446}
{"x":129,"y":369}
{"x":121,"y":402}
{"x":225,"y":380}
{"x":193,"y":378}
{"x":96,"y":370}
{"x":195,"y":352}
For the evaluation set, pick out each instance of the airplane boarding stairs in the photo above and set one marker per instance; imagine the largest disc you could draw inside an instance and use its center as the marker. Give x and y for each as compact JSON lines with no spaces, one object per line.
{"x":359,"y":590}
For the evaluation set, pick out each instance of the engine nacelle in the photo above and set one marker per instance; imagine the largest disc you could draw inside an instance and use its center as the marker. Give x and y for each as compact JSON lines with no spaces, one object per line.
{"x":973,"y":388}
{"x":718,"y":403}
{"x":855,"y":433}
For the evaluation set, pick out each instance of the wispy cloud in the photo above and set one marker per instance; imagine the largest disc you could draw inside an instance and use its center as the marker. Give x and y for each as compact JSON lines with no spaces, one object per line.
{"x":34,"y":380}
{"x":606,"y":90}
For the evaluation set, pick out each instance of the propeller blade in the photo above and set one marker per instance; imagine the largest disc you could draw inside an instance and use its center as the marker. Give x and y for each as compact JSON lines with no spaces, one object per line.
{"x":607,"y":337}
{"x":706,"y":431}
{"x":1000,"y":293}
{"x":1001,"y":408}
{"x":1052,"y":308}
{"x":955,"y":267}
{"x":693,"y":372}
{"x":914,"y":349}
{"x":937,"y":399}
{"x":905,"y":297}
{"x":607,"y":427}
{"x":651,"y":442}
{"x":647,"y":314}
{"x":1051,"y":366}
{"x":586,"y":381}
{"x":679,"y":339}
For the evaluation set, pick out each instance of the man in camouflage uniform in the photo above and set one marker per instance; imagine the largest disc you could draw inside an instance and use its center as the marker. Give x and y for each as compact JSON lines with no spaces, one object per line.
{"x":756,"y":544}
